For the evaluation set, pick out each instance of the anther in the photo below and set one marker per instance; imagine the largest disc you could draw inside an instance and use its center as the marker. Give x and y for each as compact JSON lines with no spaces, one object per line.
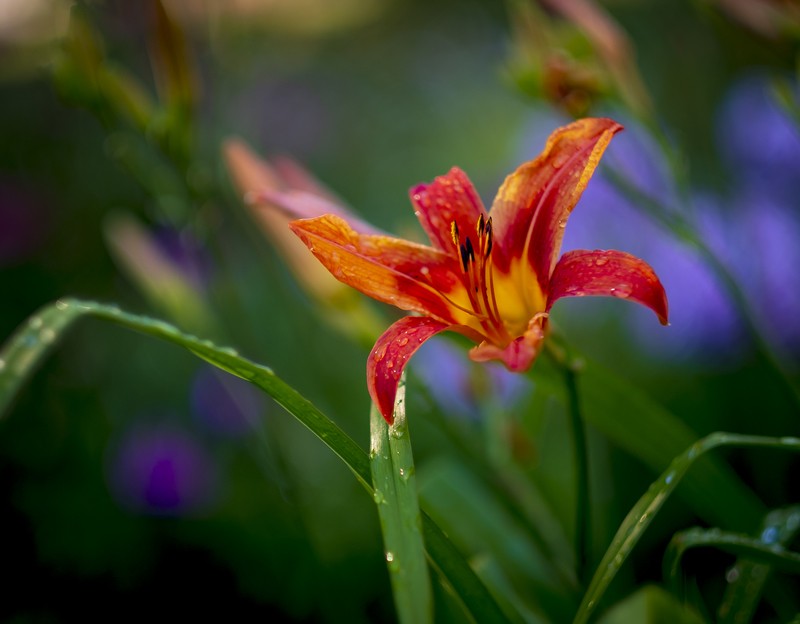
{"x":454,"y":232}
{"x":480,"y":226}
{"x":464,"y":257}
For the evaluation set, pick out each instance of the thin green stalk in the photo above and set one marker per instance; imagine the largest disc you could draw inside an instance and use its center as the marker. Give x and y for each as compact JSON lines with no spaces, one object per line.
{"x":583,"y":522}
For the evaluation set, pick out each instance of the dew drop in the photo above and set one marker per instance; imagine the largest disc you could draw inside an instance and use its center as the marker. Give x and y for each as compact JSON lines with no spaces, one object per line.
{"x":623,"y":291}
{"x":47,"y":335}
{"x":403,"y":341}
{"x":390,"y":364}
{"x":770,"y":535}
{"x":377,"y":496}
{"x":790,"y":440}
{"x":425,"y":270}
{"x":668,"y":479}
{"x":62,"y":305}
{"x":601,"y":261}
{"x":559,"y":160}
{"x":2,"y":364}
{"x":35,"y":323}
{"x":732,"y":575}
{"x":389,"y":556}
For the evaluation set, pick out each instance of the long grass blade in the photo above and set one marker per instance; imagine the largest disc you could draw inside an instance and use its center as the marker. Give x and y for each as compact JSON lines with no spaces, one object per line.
{"x":645,"y":509}
{"x":31,"y":343}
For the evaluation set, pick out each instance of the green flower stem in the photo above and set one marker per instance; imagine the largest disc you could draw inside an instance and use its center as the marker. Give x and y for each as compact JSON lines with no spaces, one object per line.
{"x":570,"y":367}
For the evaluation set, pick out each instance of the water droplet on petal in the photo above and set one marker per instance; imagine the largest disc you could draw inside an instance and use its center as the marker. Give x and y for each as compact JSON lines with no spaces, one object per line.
{"x":601,"y":261}
{"x":623,"y":291}
{"x":390,"y":364}
{"x":403,"y":341}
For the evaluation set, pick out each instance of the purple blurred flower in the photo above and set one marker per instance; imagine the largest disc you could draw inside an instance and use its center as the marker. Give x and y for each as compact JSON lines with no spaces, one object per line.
{"x":161,"y":470}
{"x":224,"y":403}
{"x":770,"y":234}
{"x":186,"y":254}
{"x":762,"y":147}
{"x":758,"y":140}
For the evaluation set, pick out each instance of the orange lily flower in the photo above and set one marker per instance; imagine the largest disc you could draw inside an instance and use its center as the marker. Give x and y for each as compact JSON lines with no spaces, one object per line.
{"x":492,"y":277}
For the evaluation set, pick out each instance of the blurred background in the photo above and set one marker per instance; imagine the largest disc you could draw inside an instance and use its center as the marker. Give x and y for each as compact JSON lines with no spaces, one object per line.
{"x":132,"y":471}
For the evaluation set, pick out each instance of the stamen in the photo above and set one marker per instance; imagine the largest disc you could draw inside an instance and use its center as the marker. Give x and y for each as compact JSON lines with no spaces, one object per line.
{"x":454,"y":232}
{"x":480,"y":226}
{"x":488,"y":238}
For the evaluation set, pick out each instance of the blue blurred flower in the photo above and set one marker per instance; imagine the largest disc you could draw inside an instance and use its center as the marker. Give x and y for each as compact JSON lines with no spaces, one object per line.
{"x":758,"y":141}
{"x":761,"y":145}
{"x":187,"y":254}
{"x":161,"y":470}
{"x":224,"y":403}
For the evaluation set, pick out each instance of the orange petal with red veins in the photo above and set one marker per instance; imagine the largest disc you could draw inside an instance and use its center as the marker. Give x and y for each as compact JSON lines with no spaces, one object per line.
{"x":531,"y":208}
{"x":519,"y":354}
{"x":390,"y":355}
{"x":398,"y":272}
{"x":449,"y":198}
{"x":608,"y":273}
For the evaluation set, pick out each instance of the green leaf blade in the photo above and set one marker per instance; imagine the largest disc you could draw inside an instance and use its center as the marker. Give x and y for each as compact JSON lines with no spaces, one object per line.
{"x":395,"y":495}
{"x":32,"y":342}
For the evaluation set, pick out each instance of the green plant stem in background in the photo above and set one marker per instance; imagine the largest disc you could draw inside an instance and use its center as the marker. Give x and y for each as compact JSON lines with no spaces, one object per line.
{"x":774,"y":555}
{"x":395,"y":495}
{"x":570,"y":367}
{"x":642,"y":513}
{"x":31,"y":343}
{"x":680,"y":227}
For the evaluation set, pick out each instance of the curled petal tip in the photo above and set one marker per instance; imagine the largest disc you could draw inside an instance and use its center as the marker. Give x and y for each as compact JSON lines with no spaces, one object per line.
{"x":390,"y":355}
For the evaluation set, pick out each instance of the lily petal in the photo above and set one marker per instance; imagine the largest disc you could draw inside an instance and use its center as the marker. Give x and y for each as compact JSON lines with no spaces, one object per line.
{"x":531,"y":208}
{"x":390,"y":355}
{"x":449,"y":198}
{"x":391,"y":270}
{"x":608,"y":273}
{"x":519,"y":354}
